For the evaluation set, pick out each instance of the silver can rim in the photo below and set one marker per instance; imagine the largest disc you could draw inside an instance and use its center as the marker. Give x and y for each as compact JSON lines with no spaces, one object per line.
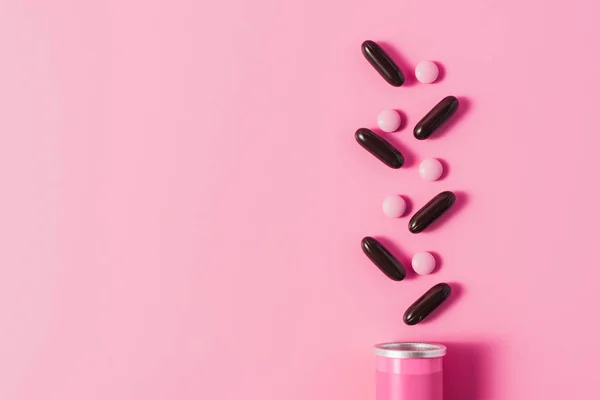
{"x":409,"y":350}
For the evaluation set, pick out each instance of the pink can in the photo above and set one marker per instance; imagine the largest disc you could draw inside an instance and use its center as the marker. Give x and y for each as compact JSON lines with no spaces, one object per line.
{"x":409,"y":371}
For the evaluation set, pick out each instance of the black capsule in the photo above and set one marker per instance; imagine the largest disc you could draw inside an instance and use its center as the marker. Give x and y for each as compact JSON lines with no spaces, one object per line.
{"x":425,"y":305}
{"x":436,"y":117}
{"x":379,"y":147}
{"x":382,"y":63}
{"x":431,"y":211}
{"x":383,"y":259}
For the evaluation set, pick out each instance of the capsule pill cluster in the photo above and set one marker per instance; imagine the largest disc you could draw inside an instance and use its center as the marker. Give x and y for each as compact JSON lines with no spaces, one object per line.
{"x":430,"y":169}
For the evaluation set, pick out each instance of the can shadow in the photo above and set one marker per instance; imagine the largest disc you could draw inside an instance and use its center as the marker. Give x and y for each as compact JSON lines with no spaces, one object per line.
{"x":469,"y":369}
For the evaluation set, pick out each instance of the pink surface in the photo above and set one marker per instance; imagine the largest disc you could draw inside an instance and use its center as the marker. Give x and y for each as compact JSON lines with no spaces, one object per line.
{"x":183,"y":199}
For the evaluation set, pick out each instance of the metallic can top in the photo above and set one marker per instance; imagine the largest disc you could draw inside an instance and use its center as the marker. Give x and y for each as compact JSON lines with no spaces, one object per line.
{"x":409,"y":350}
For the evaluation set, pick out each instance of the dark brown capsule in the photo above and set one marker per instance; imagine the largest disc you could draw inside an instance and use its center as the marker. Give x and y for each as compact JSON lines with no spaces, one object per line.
{"x":425,"y":305}
{"x":379,"y":147}
{"x":383,"y":259}
{"x":436,"y":117}
{"x":431,"y":211}
{"x":382,"y":63}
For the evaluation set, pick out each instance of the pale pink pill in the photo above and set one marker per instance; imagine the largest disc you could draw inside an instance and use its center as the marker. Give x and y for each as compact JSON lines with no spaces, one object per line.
{"x":427,"y":71}
{"x":394,"y":206}
{"x":431,"y":169}
{"x":423,"y":263}
{"x":389,"y":120}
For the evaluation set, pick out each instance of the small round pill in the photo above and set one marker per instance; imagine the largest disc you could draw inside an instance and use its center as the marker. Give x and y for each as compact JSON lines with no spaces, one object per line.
{"x":427,"y":72}
{"x":431,"y":169}
{"x":389,"y":120}
{"x":394,"y":206}
{"x":423,"y":263}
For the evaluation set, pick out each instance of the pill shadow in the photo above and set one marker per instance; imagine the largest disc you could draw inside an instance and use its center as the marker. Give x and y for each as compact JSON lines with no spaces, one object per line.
{"x":403,"y":120}
{"x":438,"y":261}
{"x":462,"y":199}
{"x":400,"y":256}
{"x":443,"y":309}
{"x":469,"y":369}
{"x":442,"y":72}
{"x":409,"y":207}
{"x":407,"y":70}
{"x":445,"y":169}
{"x":409,"y":156}
{"x":464,"y":105}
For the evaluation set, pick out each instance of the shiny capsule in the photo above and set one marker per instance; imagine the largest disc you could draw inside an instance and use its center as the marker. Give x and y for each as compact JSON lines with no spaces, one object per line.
{"x":382,"y":63}
{"x":436,"y":117}
{"x":425,"y":305}
{"x":383,"y":259}
{"x":431,"y":211}
{"x":379,"y":147}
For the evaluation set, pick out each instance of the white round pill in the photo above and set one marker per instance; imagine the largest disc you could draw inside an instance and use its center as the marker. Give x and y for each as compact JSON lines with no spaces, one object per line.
{"x":389,"y":120}
{"x":427,"y":72}
{"x":394,"y":206}
{"x":431,"y":169}
{"x":423,"y":263}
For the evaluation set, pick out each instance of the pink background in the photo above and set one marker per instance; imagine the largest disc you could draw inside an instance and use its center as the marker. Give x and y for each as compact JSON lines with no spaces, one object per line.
{"x":183,"y":199}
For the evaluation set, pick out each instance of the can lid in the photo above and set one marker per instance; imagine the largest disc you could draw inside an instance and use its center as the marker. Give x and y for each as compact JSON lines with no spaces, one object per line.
{"x":409,"y":350}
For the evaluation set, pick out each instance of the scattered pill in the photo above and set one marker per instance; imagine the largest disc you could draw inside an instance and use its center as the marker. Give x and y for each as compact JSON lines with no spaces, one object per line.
{"x":436,"y":117}
{"x":425,"y":305}
{"x":394,"y":206}
{"x":383,"y":259}
{"x":382,"y":63}
{"x":423,"y":263}
{"x":431,"y":211}
{"x":427,"y":72}
{"x":389,"y":120}
{"x":379,"y":147}
{"x":431,"y":169}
